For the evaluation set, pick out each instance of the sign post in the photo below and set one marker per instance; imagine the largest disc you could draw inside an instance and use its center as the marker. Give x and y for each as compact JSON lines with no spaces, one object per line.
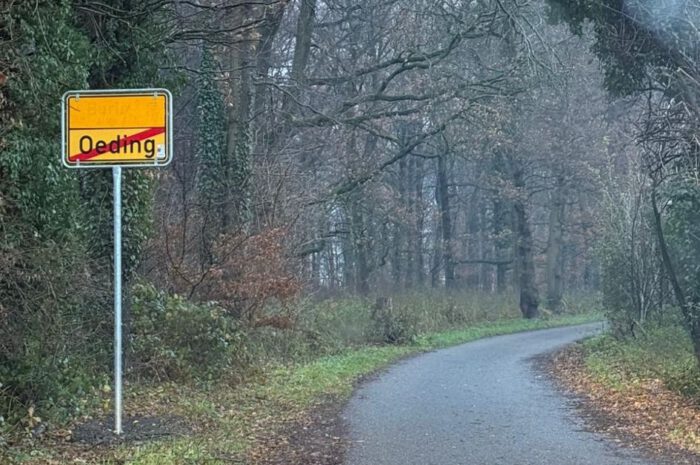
{"x":117,"y":177}
{"x":115,"y":129}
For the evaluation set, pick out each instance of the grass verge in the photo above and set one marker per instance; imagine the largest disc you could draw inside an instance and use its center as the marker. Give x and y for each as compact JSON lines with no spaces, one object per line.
{"x":662,"y":353}
{"x":228,"y":420}
{"x":644,"y":390}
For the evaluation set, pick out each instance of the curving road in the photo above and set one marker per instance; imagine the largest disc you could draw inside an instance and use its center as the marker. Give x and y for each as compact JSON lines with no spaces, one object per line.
{"x":476,"y":404}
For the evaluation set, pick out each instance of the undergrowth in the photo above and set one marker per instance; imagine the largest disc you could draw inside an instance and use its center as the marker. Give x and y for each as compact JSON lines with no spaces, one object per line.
{"x":277,"y":374}
{"x":661,"y":352}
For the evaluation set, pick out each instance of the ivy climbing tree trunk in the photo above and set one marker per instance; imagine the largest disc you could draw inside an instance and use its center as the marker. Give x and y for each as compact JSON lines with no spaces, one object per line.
{"x":238,"y":151}
{"x":211,"y":157}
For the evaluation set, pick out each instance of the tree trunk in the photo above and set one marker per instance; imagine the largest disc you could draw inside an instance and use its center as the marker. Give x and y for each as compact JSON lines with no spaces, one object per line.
{"x":502,"y":225}
{"x":302,"y":51}
{"x":400,"y":271}
{"x":331,"y":260}
{"x":471,"y":240}
{"x":360,"y":245}
{"x":264,"y":60}
{"x":410,"y":208}
{"x":397,"y":239}
{"x":437,"y":254}
{"x":417,"y":246}
{"x":486,"y":272}
{"x":348,"y":249}
{"x":554,"y":248}
{"x":446,"y":218}
{"x":302,"y":47}
{"x":529,"y":299}
{"x":237,"y":165}
{"x":268,"y":30}
{"x":691,"y":320}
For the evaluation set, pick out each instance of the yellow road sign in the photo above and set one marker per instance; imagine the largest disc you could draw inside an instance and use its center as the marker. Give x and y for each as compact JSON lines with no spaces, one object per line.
{"x":117,"y":128}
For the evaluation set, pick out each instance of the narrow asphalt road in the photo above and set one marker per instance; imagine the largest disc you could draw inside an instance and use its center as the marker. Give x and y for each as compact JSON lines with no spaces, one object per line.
{"x":480,"y":403}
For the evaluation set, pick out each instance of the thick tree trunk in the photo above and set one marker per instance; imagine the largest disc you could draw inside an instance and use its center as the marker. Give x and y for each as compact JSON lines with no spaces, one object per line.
{"x":268,"y":127}
{"x":502,"y":226}
{"x":529,"y":299}
{"x":302,"y":47}
{"x":355,"y":253}
{"x":268,"y":31}
{"x":241,"y":64}
{"x":302,"y":52}
{"x":360,"y":222}
{"x":280,"y":130}
{"x":447,"y":245}
{"x":554,"y":248}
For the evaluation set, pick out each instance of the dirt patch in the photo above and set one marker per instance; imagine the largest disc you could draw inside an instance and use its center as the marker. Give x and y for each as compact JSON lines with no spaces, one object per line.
{"x":646,"y":416}
{"x":316,"y":439}
{"x":136,"y":429}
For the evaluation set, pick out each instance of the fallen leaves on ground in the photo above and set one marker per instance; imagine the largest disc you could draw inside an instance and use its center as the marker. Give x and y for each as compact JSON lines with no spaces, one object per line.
{"x":644,"y":412}
{"x":316,"y":438}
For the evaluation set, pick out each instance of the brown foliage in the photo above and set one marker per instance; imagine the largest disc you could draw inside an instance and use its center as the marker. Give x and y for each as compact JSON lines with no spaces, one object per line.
{"x":248,"y":273}
{"x":251,"y":273}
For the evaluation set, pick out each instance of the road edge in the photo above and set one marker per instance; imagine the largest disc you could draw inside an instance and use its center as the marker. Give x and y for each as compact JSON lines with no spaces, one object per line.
{"x":321,"y":436}
{"x":559,"y":365}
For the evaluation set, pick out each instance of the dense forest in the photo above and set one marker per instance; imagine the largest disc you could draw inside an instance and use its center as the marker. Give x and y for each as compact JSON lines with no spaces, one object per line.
{"x":338,"y":164}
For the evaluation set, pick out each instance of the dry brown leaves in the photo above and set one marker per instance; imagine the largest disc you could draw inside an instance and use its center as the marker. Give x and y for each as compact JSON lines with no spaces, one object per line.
{"x":645,"y":413}
{"x":314,"y":439}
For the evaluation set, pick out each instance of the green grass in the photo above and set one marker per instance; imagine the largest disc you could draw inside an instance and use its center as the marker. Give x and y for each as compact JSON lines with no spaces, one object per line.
{"x":284,"y":393}
{"x":341,"y":323}
{"x":632,"y":369}
{"x":227,"y":419}
{"x":449,"y":338}
{"x":662,"y":352}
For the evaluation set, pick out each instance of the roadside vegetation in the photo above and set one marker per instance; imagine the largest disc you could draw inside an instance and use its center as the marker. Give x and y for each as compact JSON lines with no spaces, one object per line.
{"x":643,"y":390}
{"x":662,"y":353}
{"x":644,"y":373}
{"x":232,"y":390}
{"x":352,"y":181}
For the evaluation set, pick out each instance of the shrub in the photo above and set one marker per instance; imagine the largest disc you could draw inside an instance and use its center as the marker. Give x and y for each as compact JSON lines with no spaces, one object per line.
{"x":632,"y":282}
{"x":172,"y":338}
{"x":54,"y":330}
{"x":393,"y":325}
{"x":662,"y":351}
{"x":244,"y":274}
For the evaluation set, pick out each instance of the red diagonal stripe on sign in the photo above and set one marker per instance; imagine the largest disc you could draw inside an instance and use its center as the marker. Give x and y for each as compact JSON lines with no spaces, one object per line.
{"x":139,"y":136}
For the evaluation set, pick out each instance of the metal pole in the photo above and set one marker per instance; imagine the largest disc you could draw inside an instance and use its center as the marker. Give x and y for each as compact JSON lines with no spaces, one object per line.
{"x":117,"y":176}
